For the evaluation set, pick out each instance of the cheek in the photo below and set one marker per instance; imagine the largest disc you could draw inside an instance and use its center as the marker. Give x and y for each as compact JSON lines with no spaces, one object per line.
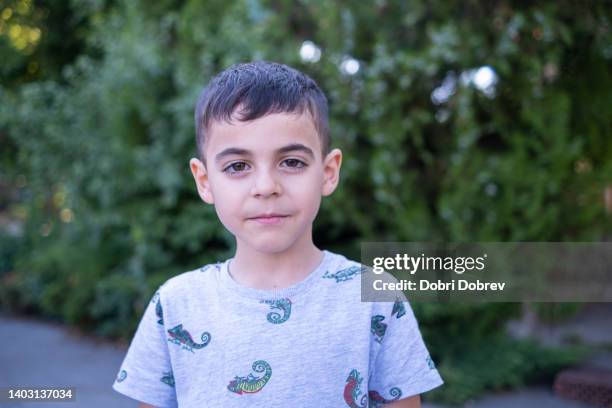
{"x":225,"y":205}
{"x":309,"y":195}
{"x":228,"y":219}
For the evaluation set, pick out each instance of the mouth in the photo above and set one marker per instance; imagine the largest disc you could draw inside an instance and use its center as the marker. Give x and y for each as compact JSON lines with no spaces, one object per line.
{"x":269,"y":218}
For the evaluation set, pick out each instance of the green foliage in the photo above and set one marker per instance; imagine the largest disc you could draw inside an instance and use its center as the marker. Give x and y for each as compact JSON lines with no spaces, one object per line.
{"x":498,"y":364}
{"x":97,"y":143}
{"x":475,"y":355}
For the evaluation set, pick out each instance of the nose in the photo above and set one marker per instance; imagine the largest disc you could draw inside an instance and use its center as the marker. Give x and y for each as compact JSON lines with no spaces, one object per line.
{"x":266,"y":184}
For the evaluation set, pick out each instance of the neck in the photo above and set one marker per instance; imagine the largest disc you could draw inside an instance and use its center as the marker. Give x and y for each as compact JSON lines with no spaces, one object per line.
{"x":279,"y":270}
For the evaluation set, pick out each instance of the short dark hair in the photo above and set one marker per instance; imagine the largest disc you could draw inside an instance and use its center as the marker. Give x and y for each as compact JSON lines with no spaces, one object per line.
{"x":260,"y":88}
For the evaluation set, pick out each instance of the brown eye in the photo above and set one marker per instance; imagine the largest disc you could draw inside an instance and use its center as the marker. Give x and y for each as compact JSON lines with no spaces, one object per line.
{"x":295,"y":163}
{"x":236,"y":167}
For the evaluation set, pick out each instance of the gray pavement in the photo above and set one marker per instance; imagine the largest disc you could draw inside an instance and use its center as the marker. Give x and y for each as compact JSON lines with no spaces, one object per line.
{"x":39,"y":354}
{"x":532,"y":397}
{"x":592,"y":325}
{"x":36,"y":353}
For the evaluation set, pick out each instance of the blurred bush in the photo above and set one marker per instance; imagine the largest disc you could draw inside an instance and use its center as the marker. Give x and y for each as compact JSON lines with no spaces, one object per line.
{"x":474,"y":122}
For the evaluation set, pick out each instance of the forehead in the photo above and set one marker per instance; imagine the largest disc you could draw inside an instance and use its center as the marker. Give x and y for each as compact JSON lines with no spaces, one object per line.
{"x":263,"y":135}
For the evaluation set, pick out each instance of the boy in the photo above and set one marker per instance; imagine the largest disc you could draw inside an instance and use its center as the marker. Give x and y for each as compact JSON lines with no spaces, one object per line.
{"x":281,"y":324}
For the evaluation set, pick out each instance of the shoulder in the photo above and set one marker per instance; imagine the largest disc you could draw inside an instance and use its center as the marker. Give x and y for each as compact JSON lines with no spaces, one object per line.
{"x":382,"y":303}
{"x":344,"y":279}
{"x":189,"y":281}
{"x":341,"y":262}
{"x":341,"y":269}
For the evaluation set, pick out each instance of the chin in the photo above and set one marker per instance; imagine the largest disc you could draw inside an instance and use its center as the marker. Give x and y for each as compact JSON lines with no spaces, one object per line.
{"x":271,"y":247}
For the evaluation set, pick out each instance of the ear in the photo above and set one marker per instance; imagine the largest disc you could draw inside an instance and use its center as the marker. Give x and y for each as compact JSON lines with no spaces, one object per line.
{"x":331,"y":171}
{"x":200,"y":175}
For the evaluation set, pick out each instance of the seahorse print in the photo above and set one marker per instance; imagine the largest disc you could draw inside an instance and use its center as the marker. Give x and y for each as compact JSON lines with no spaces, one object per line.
{"x":122,"y":376}
{"x":378,"y":328}
{"x":352,"y":391}
{"x":168,"y":378}
{"x":377,"y":400}
{"x":344,"y":274}
{"x":398,"y":308}
{"x":250,"y":384}
{"x":183,"y":338}
{"x":278,"y":304}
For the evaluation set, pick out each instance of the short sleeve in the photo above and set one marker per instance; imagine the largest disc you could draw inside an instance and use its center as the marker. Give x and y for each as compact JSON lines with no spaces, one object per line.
{"x":146,"y":372}
{"x":402,"y":367}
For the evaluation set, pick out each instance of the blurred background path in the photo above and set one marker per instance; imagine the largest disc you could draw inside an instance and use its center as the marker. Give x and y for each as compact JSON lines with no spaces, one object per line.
{"x":36,"y":353}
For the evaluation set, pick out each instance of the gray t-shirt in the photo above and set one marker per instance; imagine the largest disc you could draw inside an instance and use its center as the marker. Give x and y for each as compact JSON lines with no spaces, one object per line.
{"x":207,"y":341}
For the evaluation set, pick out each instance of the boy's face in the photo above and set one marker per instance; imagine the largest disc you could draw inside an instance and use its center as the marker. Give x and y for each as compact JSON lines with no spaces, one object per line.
{"x":266,"y":178}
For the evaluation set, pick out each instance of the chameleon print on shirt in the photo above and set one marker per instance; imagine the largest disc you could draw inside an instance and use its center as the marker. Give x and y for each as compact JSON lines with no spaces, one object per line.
{"x":183,"y":338}
{"x":207,"y":267}
{"x":122,"y":376}
{"x":377,"y":400}
{"x":251,"y":384}
{"x":352,"y":391}
{"x":159,"y":312}
{"x":168,"y":378}
{"x":430,"y":363}
{"x":378,"y":328}
{"x":343,"y":274}
{"x":399,"y":308}
{"x":279,"y":304}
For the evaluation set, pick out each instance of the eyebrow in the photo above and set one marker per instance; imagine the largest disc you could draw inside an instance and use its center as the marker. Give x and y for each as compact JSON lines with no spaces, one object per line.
{"x":293,"y":147}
